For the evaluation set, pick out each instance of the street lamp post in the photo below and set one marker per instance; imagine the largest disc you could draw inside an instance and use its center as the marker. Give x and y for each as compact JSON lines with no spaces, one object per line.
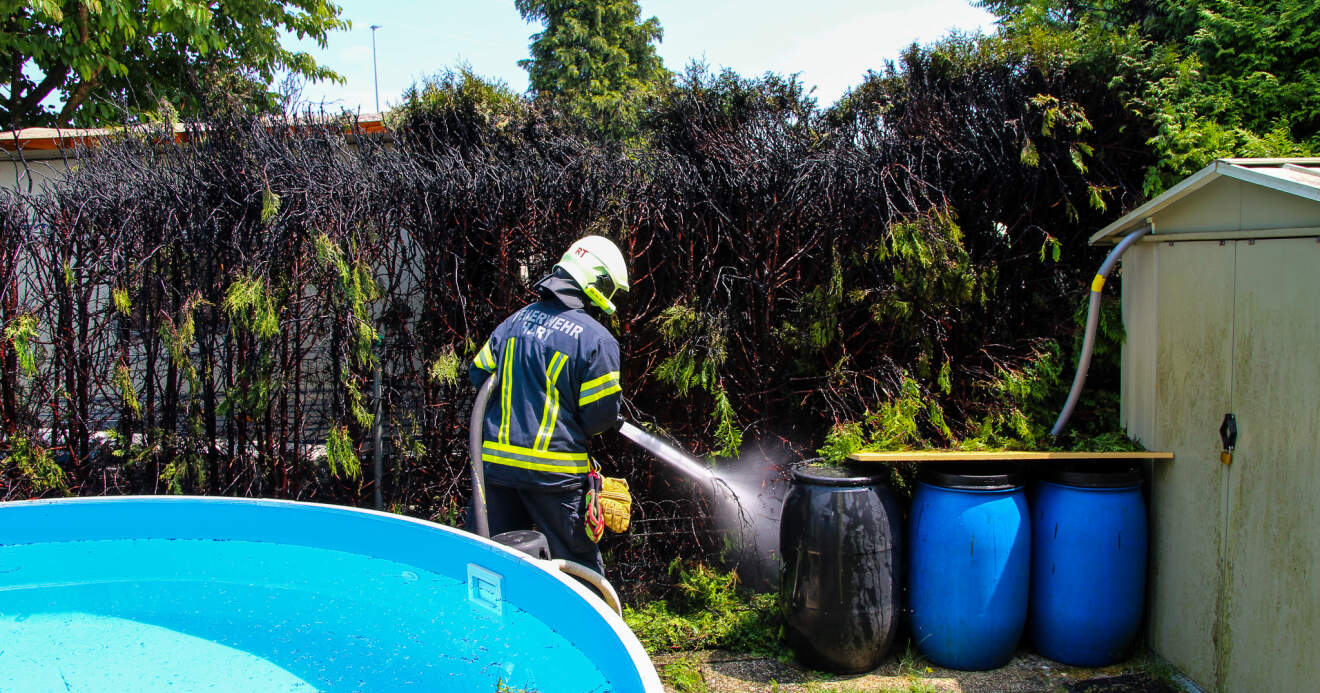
{"x":378,"y":423}
{"x":374,"y":79}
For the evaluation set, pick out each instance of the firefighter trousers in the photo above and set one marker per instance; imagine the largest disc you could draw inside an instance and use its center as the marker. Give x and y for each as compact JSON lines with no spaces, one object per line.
{"x":556,"y":513}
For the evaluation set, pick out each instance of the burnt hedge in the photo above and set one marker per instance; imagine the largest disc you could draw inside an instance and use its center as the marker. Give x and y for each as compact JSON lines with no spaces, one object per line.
{"x":208,"y":316}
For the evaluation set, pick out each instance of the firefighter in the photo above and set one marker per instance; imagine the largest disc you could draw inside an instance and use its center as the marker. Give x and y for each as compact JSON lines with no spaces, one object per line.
{"x":558,"y":386}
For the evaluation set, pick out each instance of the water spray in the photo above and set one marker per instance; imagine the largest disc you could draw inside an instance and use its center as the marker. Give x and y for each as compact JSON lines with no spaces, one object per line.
{"x":745,"y":505}
{"x":675,"y":457}
{"x":666,"y":452}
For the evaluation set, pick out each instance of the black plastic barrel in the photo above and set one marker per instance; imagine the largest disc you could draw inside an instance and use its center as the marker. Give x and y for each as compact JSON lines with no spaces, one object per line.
{"x":840,"y":537}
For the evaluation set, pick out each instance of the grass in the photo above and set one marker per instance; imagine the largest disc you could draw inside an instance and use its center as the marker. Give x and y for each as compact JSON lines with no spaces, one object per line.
{"x":684,"y":675}
{"x":912,"y":665}
{"x":708,"y":610}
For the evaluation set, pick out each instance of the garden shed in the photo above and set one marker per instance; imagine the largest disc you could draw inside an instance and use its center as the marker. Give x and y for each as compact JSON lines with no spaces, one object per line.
{"x":1221,"y":304}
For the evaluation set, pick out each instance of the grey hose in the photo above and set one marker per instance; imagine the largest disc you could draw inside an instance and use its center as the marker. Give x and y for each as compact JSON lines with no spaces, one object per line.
{"x":475,"y":425}
{"x":1092,"y":322}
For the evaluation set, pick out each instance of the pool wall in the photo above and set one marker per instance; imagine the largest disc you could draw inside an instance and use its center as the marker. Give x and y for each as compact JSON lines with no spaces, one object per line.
{"x":546,"y":594}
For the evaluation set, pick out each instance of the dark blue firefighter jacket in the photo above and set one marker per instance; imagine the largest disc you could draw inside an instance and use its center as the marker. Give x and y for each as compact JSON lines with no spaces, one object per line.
{"x":559,"y":385}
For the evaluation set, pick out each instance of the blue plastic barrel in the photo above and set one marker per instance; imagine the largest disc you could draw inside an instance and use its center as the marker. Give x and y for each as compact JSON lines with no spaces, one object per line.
{"x":841,"y":543}
{"x":1088,"y":567}
{"x":970,"y":539}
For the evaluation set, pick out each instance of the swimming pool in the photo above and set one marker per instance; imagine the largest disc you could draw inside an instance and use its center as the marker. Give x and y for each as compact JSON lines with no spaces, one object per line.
{"x":222,"y":594}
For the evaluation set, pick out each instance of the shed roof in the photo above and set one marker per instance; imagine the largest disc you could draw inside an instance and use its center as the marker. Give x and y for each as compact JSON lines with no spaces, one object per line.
{"x":1299,"y":176}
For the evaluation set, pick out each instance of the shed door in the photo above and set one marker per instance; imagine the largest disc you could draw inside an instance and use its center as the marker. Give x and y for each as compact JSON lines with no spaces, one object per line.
{"x":1192,"y":379}
{"x":1271,"y":607}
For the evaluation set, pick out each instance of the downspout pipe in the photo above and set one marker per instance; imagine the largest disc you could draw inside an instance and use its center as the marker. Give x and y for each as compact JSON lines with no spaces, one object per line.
{"x":480,"y":521}
{"x":1092,"y":322}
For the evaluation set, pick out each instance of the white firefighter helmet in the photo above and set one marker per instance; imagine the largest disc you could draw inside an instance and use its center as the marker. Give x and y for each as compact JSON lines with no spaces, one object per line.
{"x":599,"y":269}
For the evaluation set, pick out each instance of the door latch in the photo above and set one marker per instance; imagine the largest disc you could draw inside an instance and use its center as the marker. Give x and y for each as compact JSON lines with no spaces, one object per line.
{"x":1228,"y":438}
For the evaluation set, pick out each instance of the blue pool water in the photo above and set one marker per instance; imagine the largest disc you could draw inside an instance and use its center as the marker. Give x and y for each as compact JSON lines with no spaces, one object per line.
{"x":201,"y":612}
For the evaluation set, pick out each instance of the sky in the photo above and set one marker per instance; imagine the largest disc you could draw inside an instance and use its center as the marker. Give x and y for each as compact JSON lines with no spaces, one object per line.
{"x":829,"y":43}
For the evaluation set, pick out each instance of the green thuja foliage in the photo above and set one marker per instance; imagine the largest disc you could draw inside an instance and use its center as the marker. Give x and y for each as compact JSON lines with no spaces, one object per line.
{"x":178,"y":336}
{"x":187,"y":469}
{"x":270,"y":206}
{"x":1029,"y":156}
{"x":408,"y":444}
{"x":251,"y":307}
{"x":21,"y":332}
{"x":821,"y":305}
{"x":119,"y":297}
{"x":357,"y":403}
{"x":727,"y":434}
{"x":127,"y":393}
{"x":356,"y":288}
{"x":340,"y":457}
{"x":1025,"y":398}
{"x":132,"y":454}
{"x":843,"y":440}
{"x":699,"y":347}
{"x":896,"y":424}
{"x":177,"y":472}
{"x":254,"y":393}
{"x":445,"y":368}
{"x":931,"y":272}
{"x":707,"y":610}
{"x":458,"y":100}
{"x":34,"y":464}
{"x":1016,"y":411}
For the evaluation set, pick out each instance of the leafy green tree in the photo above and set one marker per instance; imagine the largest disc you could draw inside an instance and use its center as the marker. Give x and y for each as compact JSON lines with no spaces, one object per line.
{"x":1215,"y":78}
{"x":596,"y":57}
{"x":98,"y":56}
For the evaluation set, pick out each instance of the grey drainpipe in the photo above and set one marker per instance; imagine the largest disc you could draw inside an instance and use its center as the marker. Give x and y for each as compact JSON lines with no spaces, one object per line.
{"x":1092,"y":321}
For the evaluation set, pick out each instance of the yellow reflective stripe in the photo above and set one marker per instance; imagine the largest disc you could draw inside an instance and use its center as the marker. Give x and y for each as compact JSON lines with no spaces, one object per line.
{"x":536,"y":466}
{"x":486,"y":359}
{"x":598,"y":394}
{"x":545,"y":408}
{"x":554,"y":412}
{"x":551,"y":409}
{"x":1098,"y":283}
{"x":539,"y":454}
{"x":506,"y":390}
{"x":612,"y":375}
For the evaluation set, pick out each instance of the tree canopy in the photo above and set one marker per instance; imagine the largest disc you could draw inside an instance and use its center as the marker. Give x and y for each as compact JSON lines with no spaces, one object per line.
{"x":1216,"y":78}
{"x":98,"y":57}
{"x":596,"y":57}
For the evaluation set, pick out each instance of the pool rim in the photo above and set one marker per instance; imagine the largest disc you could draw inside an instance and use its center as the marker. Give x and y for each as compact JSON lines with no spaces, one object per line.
{"x":646,"y":672}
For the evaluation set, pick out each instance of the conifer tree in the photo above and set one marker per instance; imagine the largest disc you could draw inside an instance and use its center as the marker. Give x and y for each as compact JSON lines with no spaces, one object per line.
{"x":595,"y":57}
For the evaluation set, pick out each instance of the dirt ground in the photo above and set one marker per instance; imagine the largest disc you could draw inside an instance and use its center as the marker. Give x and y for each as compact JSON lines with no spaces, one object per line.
{"x":723,"y":672}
